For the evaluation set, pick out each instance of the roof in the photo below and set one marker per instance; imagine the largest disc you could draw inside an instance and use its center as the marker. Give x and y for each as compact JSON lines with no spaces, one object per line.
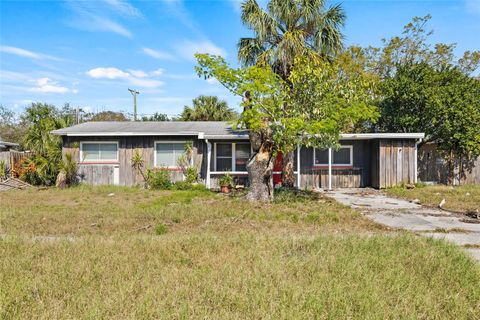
{"x":4,"y":144}
{"x":201,"y":129}
{"x":207,"y":129}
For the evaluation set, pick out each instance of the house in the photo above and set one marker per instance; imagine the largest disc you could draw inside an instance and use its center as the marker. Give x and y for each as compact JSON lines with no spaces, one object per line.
{"x":6,"y":146}
{"x":104,"y":151}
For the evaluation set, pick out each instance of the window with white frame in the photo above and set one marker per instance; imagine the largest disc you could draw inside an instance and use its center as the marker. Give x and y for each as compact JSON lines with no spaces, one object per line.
{"x":231,"y":157}
{"x":99,"y":151}
{"x":168,"y":153}
{"x":340,"y":157}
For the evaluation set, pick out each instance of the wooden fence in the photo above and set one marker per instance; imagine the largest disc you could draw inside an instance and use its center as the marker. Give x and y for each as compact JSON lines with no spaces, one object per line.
{"x":12,"y":157}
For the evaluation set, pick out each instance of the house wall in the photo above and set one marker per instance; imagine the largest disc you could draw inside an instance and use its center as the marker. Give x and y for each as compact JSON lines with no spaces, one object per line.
{"x":378,"y":163}
{"x":396,"y":162}
{"x":103,"y":173}
{"x":356,"y":176}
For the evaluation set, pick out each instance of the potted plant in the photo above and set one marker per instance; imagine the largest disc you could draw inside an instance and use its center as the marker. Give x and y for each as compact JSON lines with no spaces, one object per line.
{"x":226,"y":183}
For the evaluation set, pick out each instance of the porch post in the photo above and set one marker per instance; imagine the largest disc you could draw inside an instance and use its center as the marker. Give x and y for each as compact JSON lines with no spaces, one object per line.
{"x":298,"y":167}
{"x":329,"y":168}
{"x":209,"y":153}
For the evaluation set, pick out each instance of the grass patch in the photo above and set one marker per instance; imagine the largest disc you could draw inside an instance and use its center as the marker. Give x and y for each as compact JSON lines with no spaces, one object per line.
{"x":85,"y":253}
{"x":240,"y":276}
{"x":460,"y":198}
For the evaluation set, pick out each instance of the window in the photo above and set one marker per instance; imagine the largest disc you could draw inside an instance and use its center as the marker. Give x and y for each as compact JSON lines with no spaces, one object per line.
{"x":231,"y":157}
{"x":242,"y":154}
{"x":340,"y":157}
{"x":167,"y":153}
{"x":224,"y":157}
{"x":99,"y":151}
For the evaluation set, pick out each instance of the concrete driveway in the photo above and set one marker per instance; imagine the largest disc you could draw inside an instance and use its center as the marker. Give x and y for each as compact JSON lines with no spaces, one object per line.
{"x":402,"y":214}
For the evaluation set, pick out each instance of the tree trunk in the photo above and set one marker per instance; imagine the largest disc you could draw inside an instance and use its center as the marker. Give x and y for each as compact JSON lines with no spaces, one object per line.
{"x":260,"y":166}
{"x":288,"y":175}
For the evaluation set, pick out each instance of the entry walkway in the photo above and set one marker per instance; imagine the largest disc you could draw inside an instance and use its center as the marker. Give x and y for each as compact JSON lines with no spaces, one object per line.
{"x":402,"y":214}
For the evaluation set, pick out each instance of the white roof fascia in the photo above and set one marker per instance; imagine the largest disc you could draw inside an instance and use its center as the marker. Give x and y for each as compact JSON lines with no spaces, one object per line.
{"x":366,"y":136}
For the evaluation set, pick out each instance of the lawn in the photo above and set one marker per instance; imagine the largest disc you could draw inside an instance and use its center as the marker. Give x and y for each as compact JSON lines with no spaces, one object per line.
{"x":80,"y":253}
{"x":460,"y":198}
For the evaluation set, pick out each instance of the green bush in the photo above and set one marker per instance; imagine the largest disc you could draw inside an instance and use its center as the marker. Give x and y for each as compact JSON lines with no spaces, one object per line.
{"x":226,"y":181}
{"x":160,"y":229}
{"x":3,"y":170}
{"x":191,"y":175}
{"x":159,"y":179}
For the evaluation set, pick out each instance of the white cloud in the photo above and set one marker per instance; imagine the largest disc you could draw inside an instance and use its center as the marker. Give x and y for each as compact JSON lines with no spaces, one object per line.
{"x":157,"y":72}
{"x":108,"y":73}
{"x":96,"y":15}
{"x":138,"y":73}
{"x":26,"y":53}
{"x":187,"y":49}
{"x":213,"y":81}
{"x":124,"y":8}
{"x":47,"y":85}
{"x":135,"y":77}
{"x":161,"y":55}
{"x":105,"y":24}
{"x":146,"y":83}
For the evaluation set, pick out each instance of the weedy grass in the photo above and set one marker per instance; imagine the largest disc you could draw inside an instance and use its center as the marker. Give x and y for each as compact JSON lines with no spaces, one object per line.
{"x":459,"y":198}
{"x":80,"y":253}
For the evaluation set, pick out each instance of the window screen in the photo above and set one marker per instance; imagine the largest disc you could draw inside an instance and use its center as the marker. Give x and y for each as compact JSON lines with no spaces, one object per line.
{"x":341,"y":156}
{"x":242,"y":155}
{"x":167,"y":154}
{"x":224,"y":157}
{"x":99,"y":151}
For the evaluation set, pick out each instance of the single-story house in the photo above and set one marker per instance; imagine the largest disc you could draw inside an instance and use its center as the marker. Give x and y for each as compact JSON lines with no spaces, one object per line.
{"x":104,"y":151}
{"x":6,"y":146}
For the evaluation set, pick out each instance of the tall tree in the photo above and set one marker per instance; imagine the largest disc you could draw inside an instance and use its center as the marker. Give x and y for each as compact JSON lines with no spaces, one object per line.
{"x":106,"y":116}
{"x":156,"y":117}
{"x":324,"y":99}
{"x":208,"y":108}
{"x":425,"y":88}
{"x":286,"y":30}
{"x":11,"y":128}
{"x":42,"y":118}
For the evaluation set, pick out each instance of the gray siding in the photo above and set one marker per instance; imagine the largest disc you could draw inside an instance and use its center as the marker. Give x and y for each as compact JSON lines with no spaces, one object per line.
{"x":103,"y":174}
{"x":359,"y":175}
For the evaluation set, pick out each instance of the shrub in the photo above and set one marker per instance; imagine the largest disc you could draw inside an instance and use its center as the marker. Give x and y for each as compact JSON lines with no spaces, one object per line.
{"x":191,"y":175}
{"x":69,"y":167}
{"x":3,"y":170}
{"x":159,"y":179}
{"x":226,"y":181}
{"x":160,"y":229}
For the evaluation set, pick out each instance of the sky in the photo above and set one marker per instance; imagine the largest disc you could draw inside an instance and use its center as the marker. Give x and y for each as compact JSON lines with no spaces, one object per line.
{"x":88,"y":53}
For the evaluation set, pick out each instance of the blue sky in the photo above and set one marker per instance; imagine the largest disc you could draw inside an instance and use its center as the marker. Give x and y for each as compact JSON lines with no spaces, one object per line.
{"x":88,"y":53}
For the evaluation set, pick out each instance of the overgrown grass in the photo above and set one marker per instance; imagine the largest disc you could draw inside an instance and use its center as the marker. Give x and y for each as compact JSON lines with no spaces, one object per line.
{"x":80,"y":253}
{"x":460,"y":198}
{"x":86,"y":210}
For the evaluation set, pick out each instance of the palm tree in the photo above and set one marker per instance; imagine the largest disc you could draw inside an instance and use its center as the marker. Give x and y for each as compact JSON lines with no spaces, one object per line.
{"x":208,"y":108}
{"x":287,"y":29}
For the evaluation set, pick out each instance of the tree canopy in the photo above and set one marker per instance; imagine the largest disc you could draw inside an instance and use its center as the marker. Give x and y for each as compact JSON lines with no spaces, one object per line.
{"x":208,"y":108}
{"x":324,"y":98}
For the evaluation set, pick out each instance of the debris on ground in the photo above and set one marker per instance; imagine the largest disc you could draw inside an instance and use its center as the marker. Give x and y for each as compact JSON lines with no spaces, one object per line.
{"x":111,"y":194}
{"x":417,"y":201}
{"x":14,"y":183}
{"x":410,"y":186}
{"x":442,"y":203}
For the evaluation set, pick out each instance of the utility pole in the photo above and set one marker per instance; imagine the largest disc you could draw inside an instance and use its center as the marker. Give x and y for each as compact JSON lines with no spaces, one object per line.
{"x":134,"y":94}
